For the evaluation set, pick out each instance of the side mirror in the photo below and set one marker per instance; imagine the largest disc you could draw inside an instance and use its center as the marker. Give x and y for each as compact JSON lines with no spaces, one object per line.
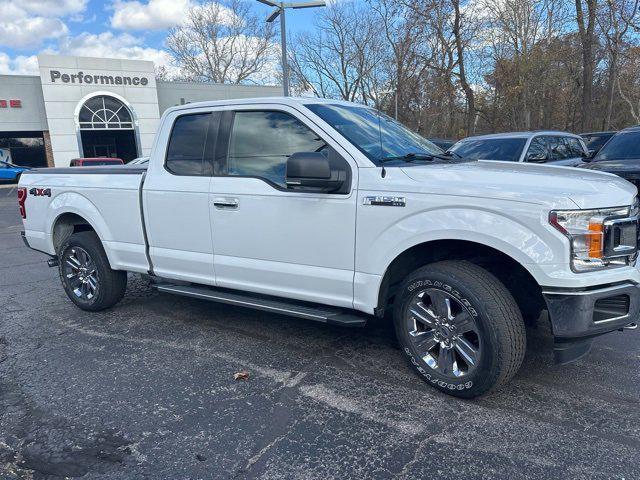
{"x":537,"y":157}
{"x":590,"y":155}
{"x":311,"y":171}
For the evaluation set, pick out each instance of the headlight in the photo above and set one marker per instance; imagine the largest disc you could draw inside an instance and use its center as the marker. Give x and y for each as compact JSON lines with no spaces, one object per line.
{"x":599,"y":238}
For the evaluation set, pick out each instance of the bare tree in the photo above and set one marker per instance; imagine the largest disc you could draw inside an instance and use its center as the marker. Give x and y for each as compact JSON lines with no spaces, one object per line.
{"x":224,"y":42}
{"x":335,"y":59}
{"x":615,"y":19}
{"x":521,"y":32}
{"x":628,"y":83}
{"x":453,"y":30}
{"x":587,"y":32}
{"x":460,"y":67}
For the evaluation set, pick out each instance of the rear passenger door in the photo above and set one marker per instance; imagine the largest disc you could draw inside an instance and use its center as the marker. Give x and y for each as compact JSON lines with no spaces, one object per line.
{"x":268,"y":238}
{"x":538,"y":151}
{"x":176,"y":197}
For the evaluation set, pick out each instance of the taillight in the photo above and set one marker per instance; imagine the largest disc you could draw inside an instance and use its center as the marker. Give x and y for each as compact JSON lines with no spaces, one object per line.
{"x":22,"y":198}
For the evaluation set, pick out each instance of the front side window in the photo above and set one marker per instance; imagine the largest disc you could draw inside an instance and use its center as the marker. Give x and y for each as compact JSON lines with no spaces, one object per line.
{"x":262,"y":141}
{"x":373,"y":133}
{"x":503,"y":149}
{"x":622,"y":146}
{"x":186,"y":151}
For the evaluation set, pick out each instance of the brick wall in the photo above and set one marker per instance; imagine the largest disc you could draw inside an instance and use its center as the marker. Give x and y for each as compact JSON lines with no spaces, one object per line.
{"x":47,"y":148}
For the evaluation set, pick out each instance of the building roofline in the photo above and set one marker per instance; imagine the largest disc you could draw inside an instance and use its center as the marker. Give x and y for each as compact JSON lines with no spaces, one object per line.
{"x":18,"y":75}
{"x":186,"y":82}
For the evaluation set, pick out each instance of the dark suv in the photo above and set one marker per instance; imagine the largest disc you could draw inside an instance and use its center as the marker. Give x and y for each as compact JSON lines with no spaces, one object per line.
{"x":620,"y":155}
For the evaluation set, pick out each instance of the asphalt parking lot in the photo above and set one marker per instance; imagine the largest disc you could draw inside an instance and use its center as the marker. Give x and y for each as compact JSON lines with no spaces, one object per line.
{"x":147,"y":390}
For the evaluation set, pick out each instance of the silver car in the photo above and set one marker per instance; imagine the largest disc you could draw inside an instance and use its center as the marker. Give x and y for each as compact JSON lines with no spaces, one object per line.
{"x":556,"y":148}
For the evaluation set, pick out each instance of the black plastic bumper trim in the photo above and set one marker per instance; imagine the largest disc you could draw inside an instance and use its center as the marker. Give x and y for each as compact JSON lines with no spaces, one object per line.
{"x":572,"y":317}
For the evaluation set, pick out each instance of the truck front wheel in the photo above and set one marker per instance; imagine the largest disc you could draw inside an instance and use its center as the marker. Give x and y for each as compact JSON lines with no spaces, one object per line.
{"x":460,"y":328}
{"x":86,"y":275}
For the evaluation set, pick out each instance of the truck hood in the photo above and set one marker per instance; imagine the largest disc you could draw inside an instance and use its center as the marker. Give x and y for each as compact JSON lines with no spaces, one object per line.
{"x":555,"y":187}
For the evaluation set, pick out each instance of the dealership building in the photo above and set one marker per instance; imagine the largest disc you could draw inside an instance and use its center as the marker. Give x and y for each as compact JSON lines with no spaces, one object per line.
{"x":94,"y":107}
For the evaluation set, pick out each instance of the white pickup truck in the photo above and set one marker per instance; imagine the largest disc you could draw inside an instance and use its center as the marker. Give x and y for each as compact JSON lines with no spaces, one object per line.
{"x":332,"y":212}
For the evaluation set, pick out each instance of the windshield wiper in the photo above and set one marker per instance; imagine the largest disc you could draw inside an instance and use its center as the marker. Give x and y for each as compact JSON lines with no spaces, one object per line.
{"x":412,"y":157}
{"x":451,"y":153}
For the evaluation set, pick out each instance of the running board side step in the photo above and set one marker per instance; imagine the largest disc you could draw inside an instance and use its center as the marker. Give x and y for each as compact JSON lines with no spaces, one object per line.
{"x":319,"y":313}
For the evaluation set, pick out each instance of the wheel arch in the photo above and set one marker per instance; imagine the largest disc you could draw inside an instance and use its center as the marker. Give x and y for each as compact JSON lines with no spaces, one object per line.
{"x":66,"y":224}
{"x":71,"y":211}
{"x":514,"y":275}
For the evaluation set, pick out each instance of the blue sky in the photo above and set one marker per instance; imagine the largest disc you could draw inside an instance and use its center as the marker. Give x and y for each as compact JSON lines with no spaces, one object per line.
{"x":113,"y":28}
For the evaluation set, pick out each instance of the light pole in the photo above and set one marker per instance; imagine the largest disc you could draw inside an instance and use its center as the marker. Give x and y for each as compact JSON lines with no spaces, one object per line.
{"x":280,"y":12}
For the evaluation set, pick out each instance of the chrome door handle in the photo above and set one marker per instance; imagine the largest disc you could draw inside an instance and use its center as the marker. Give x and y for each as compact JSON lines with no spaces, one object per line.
{"x":223,"y":203}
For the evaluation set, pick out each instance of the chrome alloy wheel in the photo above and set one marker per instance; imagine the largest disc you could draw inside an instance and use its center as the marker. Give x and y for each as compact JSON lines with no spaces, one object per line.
{"x":443,"y":332}
{"x":80,"y":273}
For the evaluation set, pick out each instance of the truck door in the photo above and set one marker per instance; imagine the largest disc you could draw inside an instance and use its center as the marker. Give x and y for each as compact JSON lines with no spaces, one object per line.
{"x":271,"y":239}
{"x":176,"y":197}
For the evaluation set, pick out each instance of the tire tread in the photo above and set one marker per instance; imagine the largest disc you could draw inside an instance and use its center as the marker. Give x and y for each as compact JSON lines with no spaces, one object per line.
{"x":113,"y":283}
{"x":500,"y":306}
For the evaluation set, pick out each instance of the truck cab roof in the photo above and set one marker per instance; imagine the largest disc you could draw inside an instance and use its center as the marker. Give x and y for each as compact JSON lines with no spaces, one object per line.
{"x":291,"y":101}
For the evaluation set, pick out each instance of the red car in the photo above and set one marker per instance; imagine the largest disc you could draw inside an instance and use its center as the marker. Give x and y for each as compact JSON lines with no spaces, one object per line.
{"x":95,"y":162}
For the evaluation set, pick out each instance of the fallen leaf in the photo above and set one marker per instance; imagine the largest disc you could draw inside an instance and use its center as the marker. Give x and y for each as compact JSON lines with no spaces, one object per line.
{"x":243,"y":375}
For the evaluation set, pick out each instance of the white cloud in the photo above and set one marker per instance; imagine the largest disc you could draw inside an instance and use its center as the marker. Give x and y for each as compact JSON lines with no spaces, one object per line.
{"x":29,"y":32}
{"x":28,"y":23}
{"x":20,"y":65}
{"x":110,"y":45}
{"x":57,"y":8}
{"x":152,"y":15}
{"x":103,"y":45}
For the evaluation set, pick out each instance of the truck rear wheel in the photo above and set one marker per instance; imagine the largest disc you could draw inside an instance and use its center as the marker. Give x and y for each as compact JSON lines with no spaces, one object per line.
{"x":460,"y":328}
{"x":86,"y":275}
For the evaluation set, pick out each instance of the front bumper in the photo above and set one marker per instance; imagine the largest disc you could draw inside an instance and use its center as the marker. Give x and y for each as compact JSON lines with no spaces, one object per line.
{"x":577,"y":316}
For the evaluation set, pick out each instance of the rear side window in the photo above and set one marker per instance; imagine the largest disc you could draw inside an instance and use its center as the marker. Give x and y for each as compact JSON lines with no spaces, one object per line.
{"x":261,"y":142}
{"x":558,"y":147}
{"x":187,"y":145}
{"x":505,"y":149}
{"x":575,"y":147}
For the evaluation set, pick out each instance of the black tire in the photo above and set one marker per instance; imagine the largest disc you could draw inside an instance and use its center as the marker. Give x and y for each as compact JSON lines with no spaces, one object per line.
{"x":110,"y":285}
{"x":499,"y":330}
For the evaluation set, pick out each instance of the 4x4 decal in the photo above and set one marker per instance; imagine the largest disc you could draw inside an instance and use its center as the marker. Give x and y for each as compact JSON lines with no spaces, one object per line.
{"x":40,"y":192}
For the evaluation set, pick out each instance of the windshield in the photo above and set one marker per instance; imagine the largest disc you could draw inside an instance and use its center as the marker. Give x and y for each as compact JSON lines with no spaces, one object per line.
{"x":376,"y":135}
{"x":622,"y":146}
{"x":505,"y":149}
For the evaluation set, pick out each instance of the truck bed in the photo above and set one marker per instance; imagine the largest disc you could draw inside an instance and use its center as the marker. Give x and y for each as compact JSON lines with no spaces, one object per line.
{"x":107,"y":197}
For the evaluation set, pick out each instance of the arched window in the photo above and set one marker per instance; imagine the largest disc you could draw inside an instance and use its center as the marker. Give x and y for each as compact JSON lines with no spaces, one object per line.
{"x":104,"y":112}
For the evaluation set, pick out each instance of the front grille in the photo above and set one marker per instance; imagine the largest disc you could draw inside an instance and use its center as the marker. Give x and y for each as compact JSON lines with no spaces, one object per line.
{"x":609,"y":308}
